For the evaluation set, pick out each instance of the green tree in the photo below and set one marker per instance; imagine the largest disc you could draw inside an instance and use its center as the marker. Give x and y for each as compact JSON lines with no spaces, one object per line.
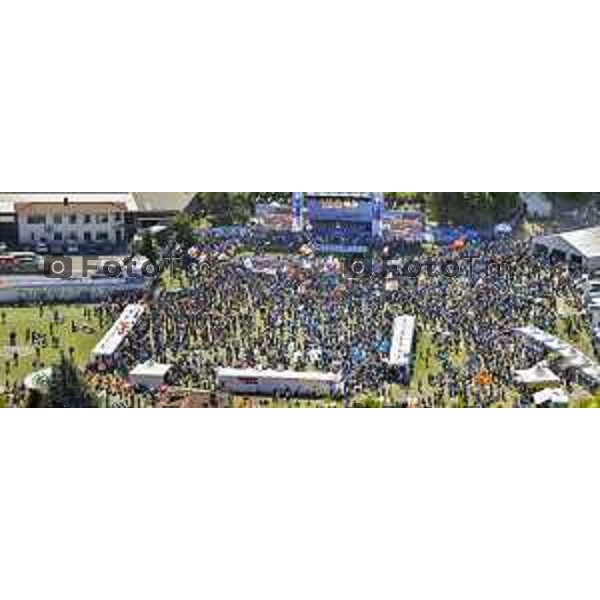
{"x":67,"y":388}
{"x":226,"y":208}
{"x":148,"y":248}
{"x":183,"y":229}
{"x":36,"y":399}
{"x":471,"y":208}
{"x":577,"y":196}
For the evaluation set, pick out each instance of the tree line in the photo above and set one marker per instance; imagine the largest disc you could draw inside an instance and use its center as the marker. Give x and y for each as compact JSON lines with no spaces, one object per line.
{"x":477,"y":209}
{"x":458,"y":208}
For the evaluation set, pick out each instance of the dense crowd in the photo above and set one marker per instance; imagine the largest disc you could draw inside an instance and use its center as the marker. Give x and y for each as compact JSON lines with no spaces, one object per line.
{"x":306,"y":314}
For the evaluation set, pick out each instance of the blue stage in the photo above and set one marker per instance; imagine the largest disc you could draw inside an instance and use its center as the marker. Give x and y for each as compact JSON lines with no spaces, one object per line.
{"x":339,"y":218}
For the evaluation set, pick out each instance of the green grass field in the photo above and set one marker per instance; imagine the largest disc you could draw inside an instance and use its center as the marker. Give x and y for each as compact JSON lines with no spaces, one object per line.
{"x":18,"y":320}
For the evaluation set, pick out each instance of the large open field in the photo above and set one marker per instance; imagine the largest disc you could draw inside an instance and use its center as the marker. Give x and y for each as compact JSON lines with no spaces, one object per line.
{"x":19,"y":320}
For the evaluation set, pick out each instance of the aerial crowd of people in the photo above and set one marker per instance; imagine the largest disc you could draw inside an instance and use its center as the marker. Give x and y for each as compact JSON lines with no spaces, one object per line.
{"x":309,"y":314}
{"x":239,"y":303}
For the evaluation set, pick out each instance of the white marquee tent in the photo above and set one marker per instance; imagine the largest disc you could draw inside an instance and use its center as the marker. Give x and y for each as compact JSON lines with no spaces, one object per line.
{"x":555,"y":397}
{"x":149,"y":374}
{"x":114,"y":337}
{"x":539,"y":374}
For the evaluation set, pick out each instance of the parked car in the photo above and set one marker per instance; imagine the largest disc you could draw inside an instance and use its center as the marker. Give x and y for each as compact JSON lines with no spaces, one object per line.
{"x":8,"y":263}
{"x":42,"y":248}
{"x":91,"y":248}
{"x":29,"y":261}
{"x":72,"y":248}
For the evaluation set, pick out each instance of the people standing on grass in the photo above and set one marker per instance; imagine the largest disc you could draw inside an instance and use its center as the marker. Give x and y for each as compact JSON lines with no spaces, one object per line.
{"x":302,"y":314}
{"x":310,"y":318}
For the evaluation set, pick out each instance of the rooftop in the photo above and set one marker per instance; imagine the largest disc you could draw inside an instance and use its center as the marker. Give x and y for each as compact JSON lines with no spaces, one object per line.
{"x":585,"y":241}
{"x":151,"y":368}
{"x":162,"y":201}
{"x":135,"y":201}
{"x":119,"y":331}
{"x":402,"y":339}
{"x":273,"y":374}
{"x":539,"y":373}
{"x":9,"y":201}
{"x":341,"y":195}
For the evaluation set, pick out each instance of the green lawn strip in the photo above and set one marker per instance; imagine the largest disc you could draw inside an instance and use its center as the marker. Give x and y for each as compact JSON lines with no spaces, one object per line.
{"x":19,"y":319}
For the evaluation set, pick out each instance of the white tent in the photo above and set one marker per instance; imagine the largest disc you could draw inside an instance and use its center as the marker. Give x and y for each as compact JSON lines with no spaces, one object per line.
{"x":534,"y":334}
{"x":503,"y":228}
{"x":555,"y":397}
{"x":38,"y":380}
{"x":573,"y":359}
{"x":149,"y":374}
{"x":556,"y":345}
{"x":113,"y":338}
{"x":592,"y":374}
{"x":539,"y":374}
{"x":581,"y":244}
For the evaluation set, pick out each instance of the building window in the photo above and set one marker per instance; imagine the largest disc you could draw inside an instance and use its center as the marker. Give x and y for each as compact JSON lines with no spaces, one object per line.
{"x":57,"y":219}
{"x":102,"y":219}
{"x":118,"y":217}
{"x":87,"y":219}
{"x":36,"y":219}
{"x":73,"y":236}
{"x":58,"y":236}
{"x":101,"y":236}
{"x":87,"y":236}
{"x":33,"y":236}
{"x":73,"y":219}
